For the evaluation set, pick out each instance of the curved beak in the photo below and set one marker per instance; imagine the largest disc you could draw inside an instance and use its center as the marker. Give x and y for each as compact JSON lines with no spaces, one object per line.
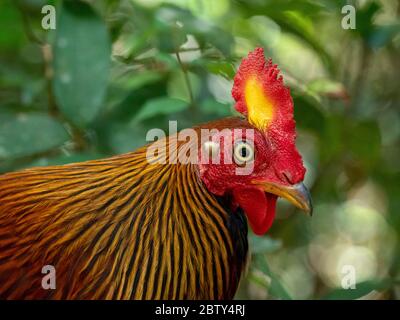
{"x":296,"y":194}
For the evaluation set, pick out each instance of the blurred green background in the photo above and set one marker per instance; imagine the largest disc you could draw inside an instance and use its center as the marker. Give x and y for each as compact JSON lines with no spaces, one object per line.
{"x":112,"y":70}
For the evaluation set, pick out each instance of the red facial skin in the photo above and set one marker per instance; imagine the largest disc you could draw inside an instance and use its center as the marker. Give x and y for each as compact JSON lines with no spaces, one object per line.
{"x":271,"y":164}
{"x":276,"y":157}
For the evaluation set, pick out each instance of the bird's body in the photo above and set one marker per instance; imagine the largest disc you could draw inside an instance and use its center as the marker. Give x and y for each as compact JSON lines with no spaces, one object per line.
{"x":152,"y":227}
{"x":118,"y":228}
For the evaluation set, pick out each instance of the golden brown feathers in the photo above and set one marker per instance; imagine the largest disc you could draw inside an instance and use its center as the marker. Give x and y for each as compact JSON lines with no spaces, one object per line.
{"x":118,"y":228}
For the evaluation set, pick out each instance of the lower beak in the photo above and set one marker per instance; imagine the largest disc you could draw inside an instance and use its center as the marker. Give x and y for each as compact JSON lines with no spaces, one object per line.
{"x":296,"y":194}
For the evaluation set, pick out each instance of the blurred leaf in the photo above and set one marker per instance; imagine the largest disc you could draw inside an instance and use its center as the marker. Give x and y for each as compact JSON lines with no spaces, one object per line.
{"x":303,"y":22}
{"x":294,"y":16}
{"x":383,"y":34}
{"x":219,"y":38}
{"x":123,"y":85}
{"x":208,"y":8}
{"x":307,"y":113}
{"x":167,"y":60}
{"x":136,"y":80}
{"x":214,"y":107}
{"x":82,"y":61}
{"x":170,"y":34}
{"x":263,"y":244}
{"x":374,"y":35}
{"x":275,"y":288}
{"x":65,"y":159}
{"x":125,"y":104}
{"x":223,"y":68}
{"x":364,"y":18}
{"x":160,"y":106}
{"x":177,"y":87}
{"x":332,"y":132}
{"x":11,"y":35}
{"x":131,"y":26}
{"x":123,"y":138}
{"x":329,"y":88}
{"x":362,"y":289}
{"x":364,"y":141}
{"x":204,"y":31}
{"x":169,"y":24}
{"x":28,"y":134}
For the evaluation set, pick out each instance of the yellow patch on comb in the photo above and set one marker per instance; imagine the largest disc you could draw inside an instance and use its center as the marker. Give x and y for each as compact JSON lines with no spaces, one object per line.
{"x":260,"y":109}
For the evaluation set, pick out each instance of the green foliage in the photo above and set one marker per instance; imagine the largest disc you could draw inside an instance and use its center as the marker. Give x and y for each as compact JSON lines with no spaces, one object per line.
{"x":82,"y":61}
{"x":114,"y":69}
{"x":25,"y":135}
{"x":361,"y":289}
{"x":263,"y":244}
{"x":160,"y":106}
{"x":275,"y":287}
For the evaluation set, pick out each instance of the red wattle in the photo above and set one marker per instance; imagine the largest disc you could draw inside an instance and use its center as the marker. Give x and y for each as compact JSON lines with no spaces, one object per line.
{"x":258,"y":206}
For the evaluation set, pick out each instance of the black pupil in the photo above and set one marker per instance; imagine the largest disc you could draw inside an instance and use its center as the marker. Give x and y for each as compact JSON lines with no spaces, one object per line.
{"x":243,"y":152}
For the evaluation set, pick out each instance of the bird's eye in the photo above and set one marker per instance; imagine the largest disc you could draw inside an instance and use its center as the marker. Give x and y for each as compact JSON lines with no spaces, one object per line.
{"x":243,"y":152}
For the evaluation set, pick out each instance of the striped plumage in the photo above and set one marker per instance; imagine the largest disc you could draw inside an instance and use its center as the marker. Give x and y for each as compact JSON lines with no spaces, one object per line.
{"x":119,"y":228}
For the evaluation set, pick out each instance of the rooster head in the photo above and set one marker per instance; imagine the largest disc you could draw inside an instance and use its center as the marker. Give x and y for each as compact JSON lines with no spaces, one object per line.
{"x":257,"y":157}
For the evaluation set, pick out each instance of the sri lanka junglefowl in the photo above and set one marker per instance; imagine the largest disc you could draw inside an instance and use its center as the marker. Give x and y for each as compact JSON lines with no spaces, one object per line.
{"x":148,"y":225}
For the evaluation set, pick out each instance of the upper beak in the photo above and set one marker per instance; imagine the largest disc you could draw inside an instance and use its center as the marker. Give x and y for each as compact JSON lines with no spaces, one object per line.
{"x":296,"y":194}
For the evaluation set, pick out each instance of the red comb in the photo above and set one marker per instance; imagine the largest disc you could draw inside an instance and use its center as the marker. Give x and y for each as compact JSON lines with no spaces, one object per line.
{"x":258,"y":83}
{"x":268,"y":75}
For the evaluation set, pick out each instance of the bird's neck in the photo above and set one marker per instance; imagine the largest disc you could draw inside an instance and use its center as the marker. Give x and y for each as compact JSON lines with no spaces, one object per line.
{"x":122,"y":228}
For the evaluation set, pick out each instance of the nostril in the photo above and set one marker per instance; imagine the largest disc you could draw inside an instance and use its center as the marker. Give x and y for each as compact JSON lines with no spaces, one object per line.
{"x":287,"y":176}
